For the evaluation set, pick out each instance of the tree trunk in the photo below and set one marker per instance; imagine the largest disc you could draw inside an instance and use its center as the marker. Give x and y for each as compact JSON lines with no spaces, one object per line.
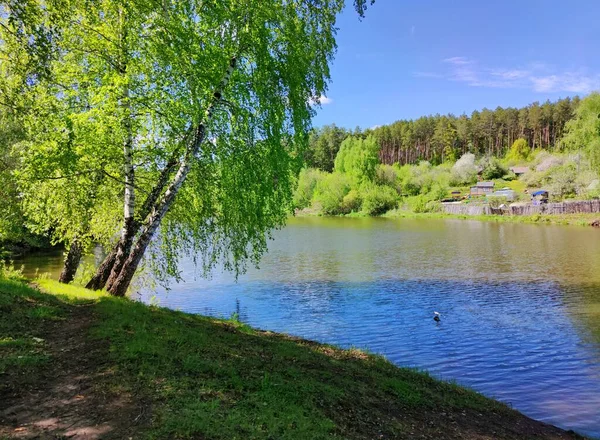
{"x":103,"y":273}
{"x":123,"y":248}
{"x":99,"y":279}
{"x":121,"y":284}
{"x":71,"y":263}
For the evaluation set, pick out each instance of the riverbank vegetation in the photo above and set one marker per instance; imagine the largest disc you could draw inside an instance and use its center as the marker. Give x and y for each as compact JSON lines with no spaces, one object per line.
{"x":365,"y":179}
{"x":73,"y":363}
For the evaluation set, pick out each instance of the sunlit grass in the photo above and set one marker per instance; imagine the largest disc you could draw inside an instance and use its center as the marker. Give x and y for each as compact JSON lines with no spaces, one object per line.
{"x":69,"y":291}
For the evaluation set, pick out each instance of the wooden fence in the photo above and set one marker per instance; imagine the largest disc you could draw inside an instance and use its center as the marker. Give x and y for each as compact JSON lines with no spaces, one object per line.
{"x":575,"y":207}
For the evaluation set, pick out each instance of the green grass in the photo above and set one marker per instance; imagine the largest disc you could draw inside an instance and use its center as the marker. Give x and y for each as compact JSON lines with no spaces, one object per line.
{"x":220,"y":379}
{"x":27,"y":313}
{"x":563,"y":219}
{"x":226,"y":380}
{"x":24,"y":312}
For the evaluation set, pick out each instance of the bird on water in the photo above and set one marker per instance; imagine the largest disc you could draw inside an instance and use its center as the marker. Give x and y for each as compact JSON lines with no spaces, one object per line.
{"x":436,"y":316}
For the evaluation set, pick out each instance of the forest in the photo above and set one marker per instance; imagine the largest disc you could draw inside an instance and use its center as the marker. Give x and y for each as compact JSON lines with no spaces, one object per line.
{"x":440,"y":138}
{"x":413,"y":165}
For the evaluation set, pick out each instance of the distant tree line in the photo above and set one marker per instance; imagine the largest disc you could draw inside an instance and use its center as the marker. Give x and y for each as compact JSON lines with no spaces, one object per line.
{"x":441,"y":138}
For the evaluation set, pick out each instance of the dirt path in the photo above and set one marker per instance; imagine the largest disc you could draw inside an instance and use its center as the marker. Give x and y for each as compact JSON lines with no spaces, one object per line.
{"x":71,"y":397}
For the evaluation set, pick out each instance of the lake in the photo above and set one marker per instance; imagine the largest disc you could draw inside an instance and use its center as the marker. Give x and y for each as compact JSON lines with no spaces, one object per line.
{"x":519,"y":304}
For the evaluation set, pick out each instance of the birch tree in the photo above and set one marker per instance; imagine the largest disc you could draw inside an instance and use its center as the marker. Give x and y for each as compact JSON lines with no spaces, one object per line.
{"x":198,"y":110}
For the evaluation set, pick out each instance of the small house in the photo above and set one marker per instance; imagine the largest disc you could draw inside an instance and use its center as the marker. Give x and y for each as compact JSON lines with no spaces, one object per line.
{"x":519,"y":171}
{"x":482,"y":189}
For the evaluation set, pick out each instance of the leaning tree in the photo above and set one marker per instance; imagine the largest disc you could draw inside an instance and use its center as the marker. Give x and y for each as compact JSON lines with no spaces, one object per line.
{"x":198,"y":110}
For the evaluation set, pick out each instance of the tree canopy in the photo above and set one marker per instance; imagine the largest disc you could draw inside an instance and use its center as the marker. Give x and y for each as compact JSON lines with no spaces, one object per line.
{"x":185,"y":121}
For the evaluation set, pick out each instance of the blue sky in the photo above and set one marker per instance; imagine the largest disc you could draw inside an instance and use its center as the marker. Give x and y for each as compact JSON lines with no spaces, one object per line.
{"x":412,"y":58}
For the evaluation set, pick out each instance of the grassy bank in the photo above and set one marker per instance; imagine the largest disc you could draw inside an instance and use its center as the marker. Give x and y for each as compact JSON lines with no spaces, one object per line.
{"x":76,"y":363}
{"x":583,"y":219}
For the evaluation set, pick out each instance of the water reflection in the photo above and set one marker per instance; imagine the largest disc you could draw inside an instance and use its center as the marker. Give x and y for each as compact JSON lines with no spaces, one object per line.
{"x":520,"y":303}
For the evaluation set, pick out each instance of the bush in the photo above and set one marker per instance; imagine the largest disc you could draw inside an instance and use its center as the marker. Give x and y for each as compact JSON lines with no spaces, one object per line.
{"x":420,"y":204}
{"x":307,"y":182}
{"x":388,"y":175}
{"x":544,"y":161}
{"x":519,"y":151}
{"x":377,"y":199}
{"x":464,"y":171}
{"x":561,"y":181}
{"x":8,"y":272}
{"x":358,"y":157}
{"x":533,"y":178}
{"x":407,"y":181}
{"x":330,"y":193}
{"x":496,"y":201}
{"x":352,"y":202}
{"x":438,"y":192}
{"x":492,"y":168}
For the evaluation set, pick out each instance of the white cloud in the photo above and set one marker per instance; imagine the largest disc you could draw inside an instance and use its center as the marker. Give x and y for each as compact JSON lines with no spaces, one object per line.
{"x":509,"y":74}
{"x":458,"y":61}
{"x":536,"y":76}
{"x":323,"y":100}
{"x":413,"y":29}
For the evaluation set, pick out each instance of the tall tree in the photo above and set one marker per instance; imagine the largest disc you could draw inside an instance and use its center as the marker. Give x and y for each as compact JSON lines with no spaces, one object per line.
{"x":200,"y":107}
{"x":583,"y":132}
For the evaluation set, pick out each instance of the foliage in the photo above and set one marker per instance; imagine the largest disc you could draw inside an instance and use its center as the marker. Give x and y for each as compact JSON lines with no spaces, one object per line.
{"x":486,"y":132}
{"x":464,"y":171}
{"x":13,"y":224}
{"x":388,"y":175}
{"x":323,"y":146}
{"x":305,"y":189}
{"x":583,"y":132}
{"x":9,"y":272}
{"x":126,"y":84}
{"x":377,"y":199}
{"x":492,"y":168}
{"x":497,"y":201}
{"x":519,"y":151}
{"x":422,"y":204}
{"x":330,"y":193}
{"x":358,"y":158}
{"x":561,"y":181}
{"x":352,"y":202}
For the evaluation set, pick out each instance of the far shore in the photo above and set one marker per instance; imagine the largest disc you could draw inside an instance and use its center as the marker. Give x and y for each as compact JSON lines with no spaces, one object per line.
{"x":582,"y":219}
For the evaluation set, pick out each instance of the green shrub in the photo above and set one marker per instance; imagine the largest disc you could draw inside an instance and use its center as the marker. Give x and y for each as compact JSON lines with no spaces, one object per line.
{"x":352,"y":202}
{"x":496,"y":201}
{"x":492,"y":168}
{"x":561,"y":181}
{"x":519,"y":151}
{"x":420,"y":204}
{"x":307,"y":182}
{"x":8,"y":272}
{"x":358,"y":157}
{"x":438,"y":192}
{"x":377,"y":199}
{"x":330,"y":193}
{"x":388,"y":175}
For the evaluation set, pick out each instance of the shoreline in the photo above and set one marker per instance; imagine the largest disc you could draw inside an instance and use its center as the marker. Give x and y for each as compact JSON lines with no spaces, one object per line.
{"x":119,"y":368}
{"x":546,"y":219}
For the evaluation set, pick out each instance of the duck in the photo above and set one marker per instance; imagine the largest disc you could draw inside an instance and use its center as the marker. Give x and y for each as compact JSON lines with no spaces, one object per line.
{"x":436,"y":316}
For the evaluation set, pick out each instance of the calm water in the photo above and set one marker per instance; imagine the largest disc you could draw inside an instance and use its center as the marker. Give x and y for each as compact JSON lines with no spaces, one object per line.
{"x":520,"y":304}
